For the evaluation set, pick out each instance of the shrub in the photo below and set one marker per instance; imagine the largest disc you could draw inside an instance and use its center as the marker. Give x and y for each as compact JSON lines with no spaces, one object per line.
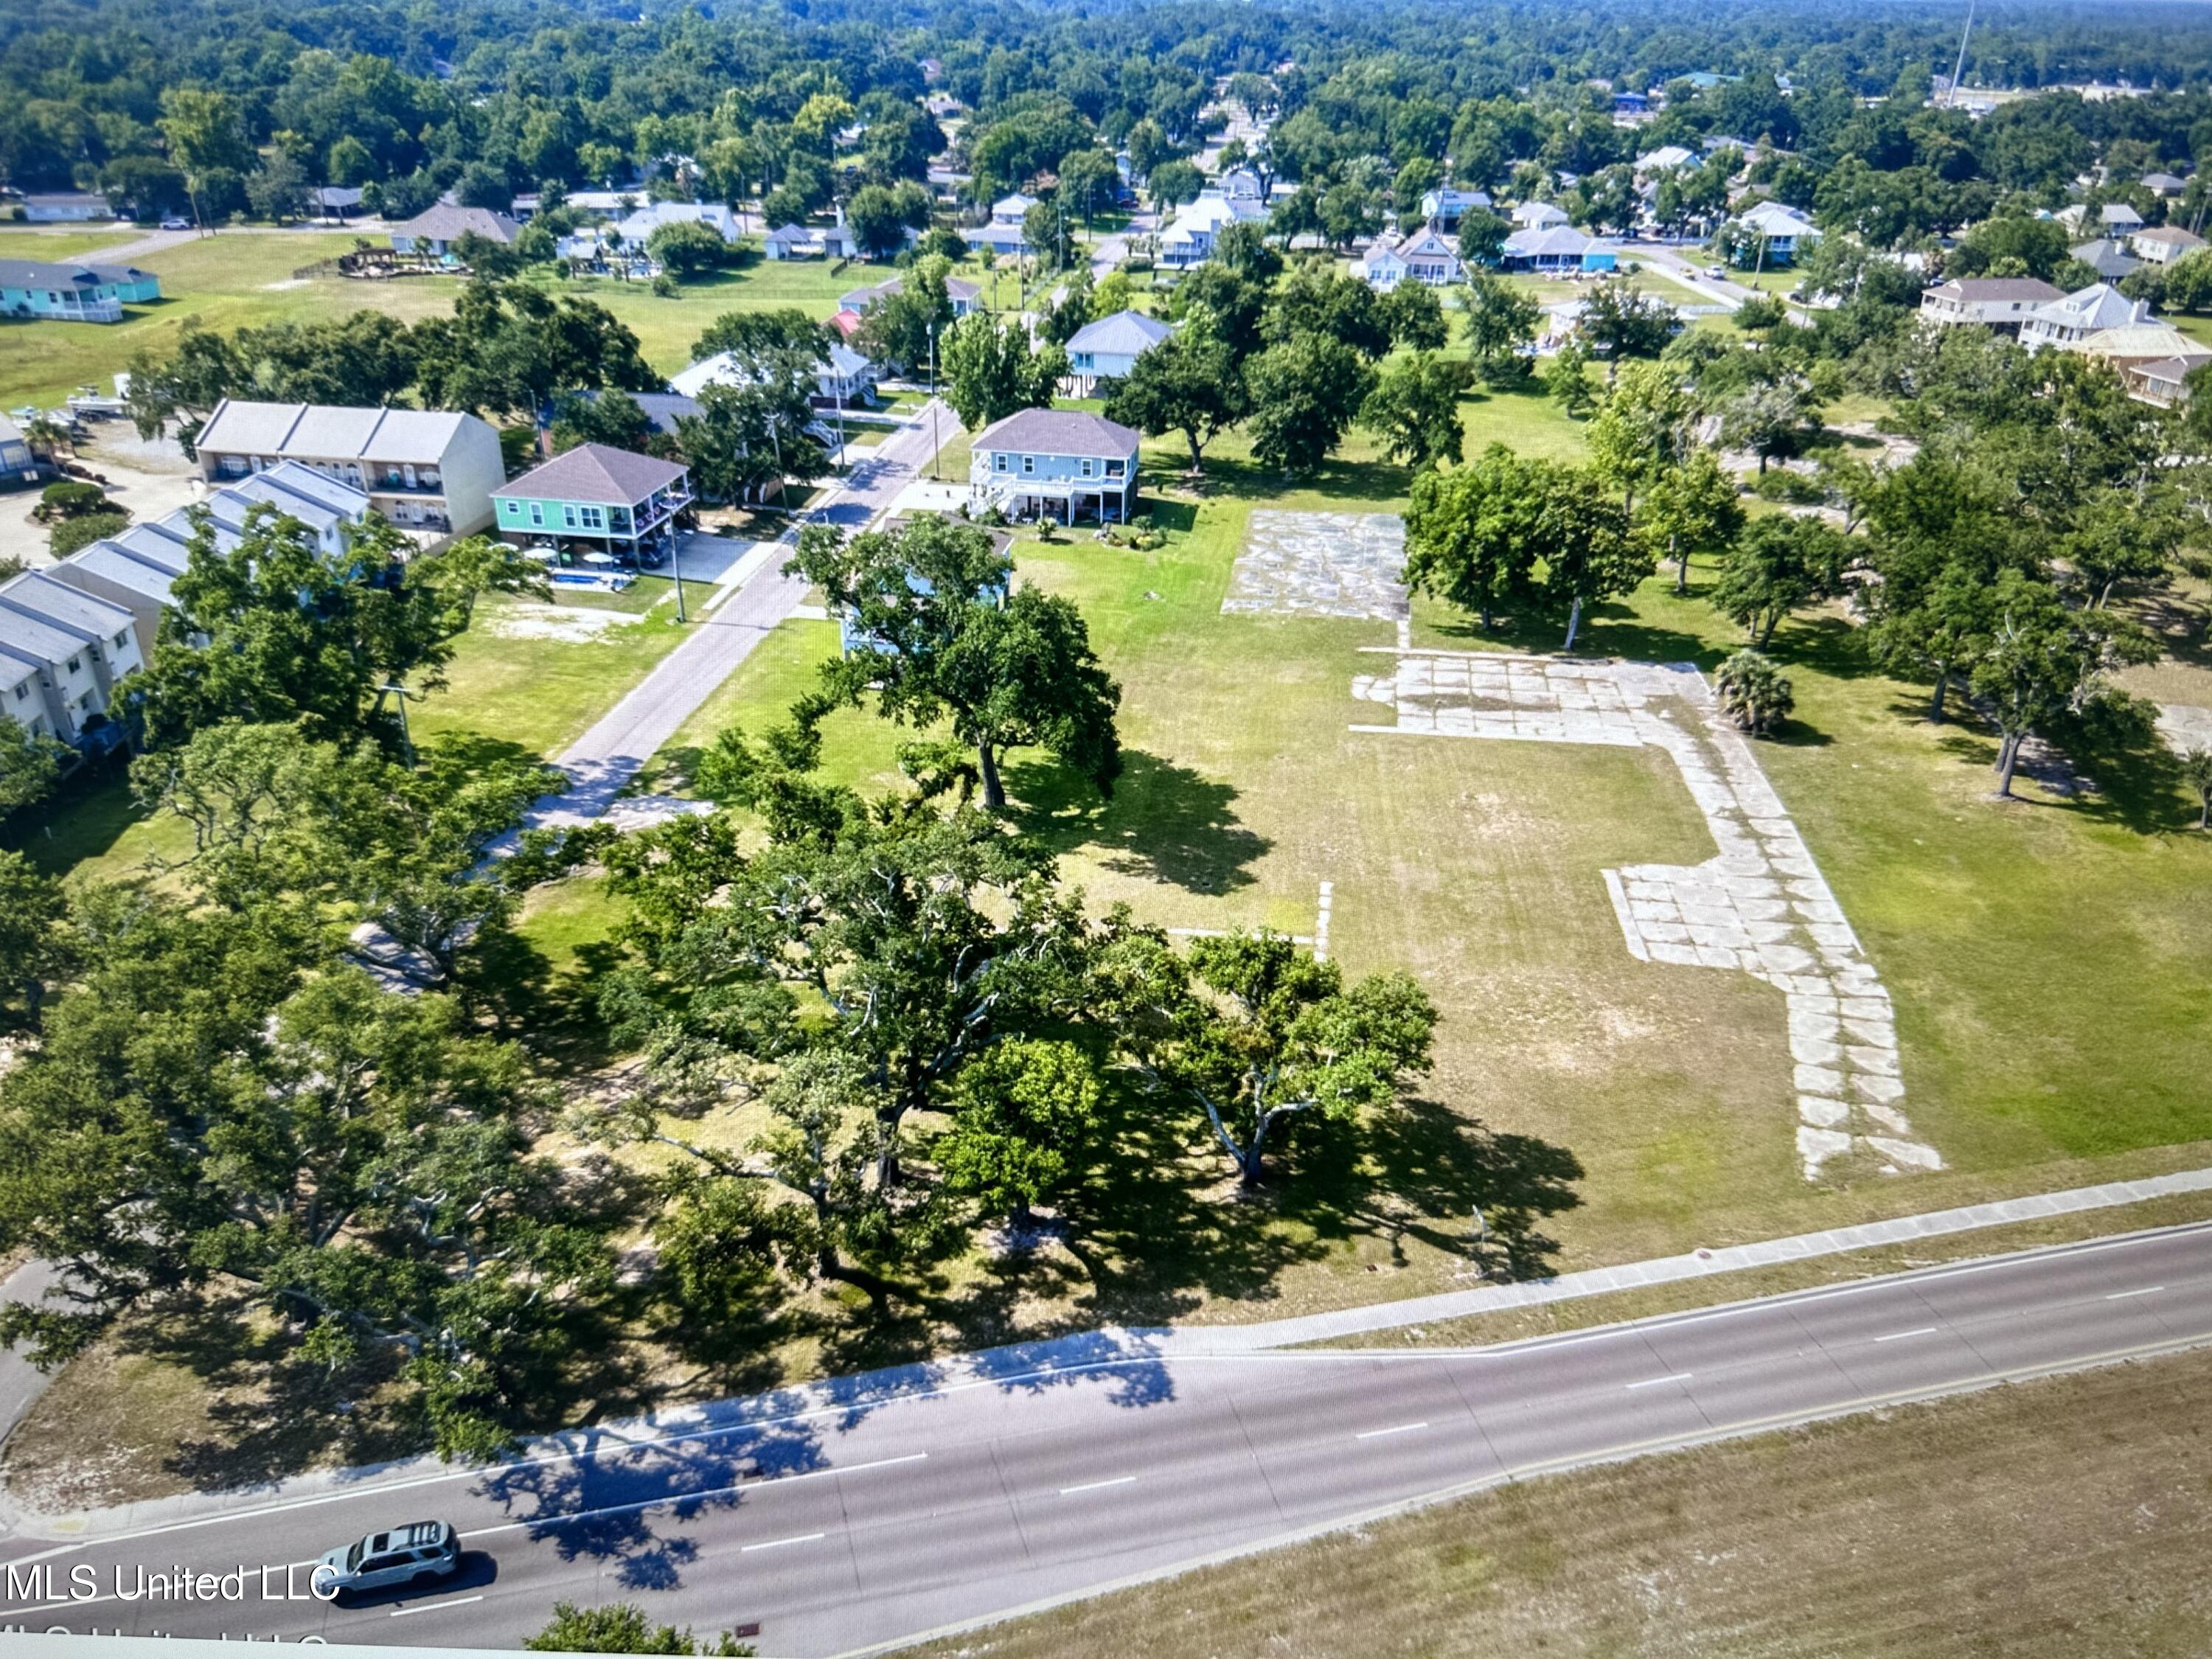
{"x":665,"y":286}
{"x":71,"y":534}
{"x":1753,"y":693}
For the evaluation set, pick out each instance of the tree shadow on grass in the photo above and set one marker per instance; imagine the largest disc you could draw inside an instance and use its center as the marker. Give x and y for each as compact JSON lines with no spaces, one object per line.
{"x":1347,"y":481}
{"x":1165,"y":822}
{"x":1610,"y":629}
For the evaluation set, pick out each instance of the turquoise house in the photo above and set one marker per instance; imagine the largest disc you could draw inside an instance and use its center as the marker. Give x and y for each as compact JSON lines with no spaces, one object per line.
{"x":596,"y":499}
{"x":73,"y":292}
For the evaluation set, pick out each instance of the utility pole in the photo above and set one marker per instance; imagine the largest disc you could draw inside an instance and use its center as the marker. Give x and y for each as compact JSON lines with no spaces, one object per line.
{"x":934,"y":474}
{"x":1960,"y":68}
{"x":406,"y":741}
{"x":676,"y":566}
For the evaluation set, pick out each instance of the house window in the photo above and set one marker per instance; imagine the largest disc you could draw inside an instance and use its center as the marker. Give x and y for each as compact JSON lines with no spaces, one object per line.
{"x":1028,"y":463}
{"x":998,"y":463}
{"x":72,"y":665}
{"x":567,"y":515}
{"x":22,"y":691}
{"x":1087,"y":466}
{"x":537,"y":512}
{"x":119,"y":638}
{"x":593,"y":519}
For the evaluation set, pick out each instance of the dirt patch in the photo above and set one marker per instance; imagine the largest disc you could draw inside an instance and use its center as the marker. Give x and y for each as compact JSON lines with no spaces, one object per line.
{"x":578,"y":626}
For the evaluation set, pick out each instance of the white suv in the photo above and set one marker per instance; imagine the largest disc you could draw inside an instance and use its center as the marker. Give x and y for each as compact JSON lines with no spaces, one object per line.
{"x":405,"y":1555}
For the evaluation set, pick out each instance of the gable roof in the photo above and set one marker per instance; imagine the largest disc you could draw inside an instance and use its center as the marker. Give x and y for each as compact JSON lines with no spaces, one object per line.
{"x":2148,"y":340}
{"x":1428,"y":243}
{"x":41,"y":273}
{"x":2104,"y":257}
{"x":1057,"y":432}
{"x":444,"y":223}
{"x":1982,"y":290}
{"x":329,"y":431}
{"x":115,"y":564}
{"x":2099,"y":306}
{"x":2172,"y":236}
{"x":1534,"y":215}
{"x":598,"y":473}
{"x":787,"y":234}
{"x":1778,"y":219}
{"x":1554,"y":241}
{"x":1126,"y":333}
{"x":68,"y":609}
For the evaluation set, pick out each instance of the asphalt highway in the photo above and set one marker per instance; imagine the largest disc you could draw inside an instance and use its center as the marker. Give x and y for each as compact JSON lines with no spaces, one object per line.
{"x":851,"y":1528}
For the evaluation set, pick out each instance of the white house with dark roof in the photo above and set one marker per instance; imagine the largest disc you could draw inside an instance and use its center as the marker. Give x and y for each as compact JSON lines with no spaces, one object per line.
{"x":427,"y":470}
{"x":1556,"y":251}
{"x":2161,"y":245}
{"x":435,"y":229}
{"x":2165,"y":185}
{"x":792,"y":242}
{"x":1109,"y":348}
{"x":1056,"y":463}
{"x":2002,"y":303}
{"x":2079,"y":315}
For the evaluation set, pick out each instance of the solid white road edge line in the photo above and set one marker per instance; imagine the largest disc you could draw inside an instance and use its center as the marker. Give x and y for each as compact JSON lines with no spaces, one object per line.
{"x":1654,"y":1381}
{"x":2148,"y":1290}
{"x":1365,"y":1356}
{"x":435,"y":1606}
{"x":1402,"y":1428}
{"x":1900,"y":1336}
{"x":1097,"y":1486}
{"x":779,"y":1543}
{"x":1722,"y":1433}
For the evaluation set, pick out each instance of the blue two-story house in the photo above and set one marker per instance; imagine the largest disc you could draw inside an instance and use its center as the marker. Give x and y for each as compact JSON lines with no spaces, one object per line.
{"x":1059,"y":464}
{"x":73,"y":292}
{"x":1109,"y":348}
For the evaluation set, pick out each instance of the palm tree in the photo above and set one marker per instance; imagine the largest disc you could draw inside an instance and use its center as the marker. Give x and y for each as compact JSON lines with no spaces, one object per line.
{"x":1753,"y":693}
{"x":47,"y":436}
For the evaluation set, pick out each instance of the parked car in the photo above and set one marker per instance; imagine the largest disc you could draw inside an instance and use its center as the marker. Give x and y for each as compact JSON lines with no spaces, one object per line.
{"x":418,"y":1553}
{"x":172,"y":222}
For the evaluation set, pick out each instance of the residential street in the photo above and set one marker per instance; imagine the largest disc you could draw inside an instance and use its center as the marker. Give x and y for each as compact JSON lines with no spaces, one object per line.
{"x":727,"y":622}
{"x":836,"y":1520}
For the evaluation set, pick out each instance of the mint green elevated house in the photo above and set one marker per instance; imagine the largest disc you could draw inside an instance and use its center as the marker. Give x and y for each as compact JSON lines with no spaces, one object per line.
{"x":596,"y":498}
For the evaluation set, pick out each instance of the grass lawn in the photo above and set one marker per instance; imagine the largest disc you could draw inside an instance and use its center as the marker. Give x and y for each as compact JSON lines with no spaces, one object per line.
{"x":245,"y":278}
{"x":58,"y":245}
{"x":2051,"y":960}
{"x":2053,"y":1524}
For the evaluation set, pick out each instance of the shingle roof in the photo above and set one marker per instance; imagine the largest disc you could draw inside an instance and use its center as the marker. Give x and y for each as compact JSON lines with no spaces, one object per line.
{"x":2140,"y":340}
{"x":2104,"y":257}
{"x":1126,"y":333}
{"x":28,"y":638}
{"x":76,"y":273}
{"x":1981,"y":289}
{"x":2172,"y":235}
{"x":444,"y":223}
{"x":1557,"y":240}
{"x":1057,"y":432}
{"x":598,"y":473}
{"x":2099,"y":306}
{"x":412,"y":434}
